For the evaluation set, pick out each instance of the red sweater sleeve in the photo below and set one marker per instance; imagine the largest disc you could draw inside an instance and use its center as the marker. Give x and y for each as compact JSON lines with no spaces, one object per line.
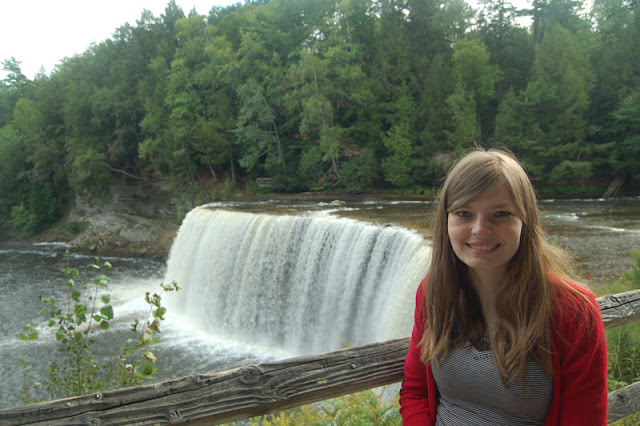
{"x":582,"y":364}
{"x":417,"y":405}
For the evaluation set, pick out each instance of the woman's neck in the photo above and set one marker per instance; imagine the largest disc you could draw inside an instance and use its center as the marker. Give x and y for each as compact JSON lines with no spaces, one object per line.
{"x":486,"y":286}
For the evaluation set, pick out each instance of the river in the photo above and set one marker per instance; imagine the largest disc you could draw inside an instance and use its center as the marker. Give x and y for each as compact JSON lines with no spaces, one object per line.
{"x":600,"y":234}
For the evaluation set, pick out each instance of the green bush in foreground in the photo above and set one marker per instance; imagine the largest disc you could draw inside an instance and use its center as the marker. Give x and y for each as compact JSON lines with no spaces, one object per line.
{"x":361,"y":408}
{"x":623,"y":343}
{"x":85,"y":311}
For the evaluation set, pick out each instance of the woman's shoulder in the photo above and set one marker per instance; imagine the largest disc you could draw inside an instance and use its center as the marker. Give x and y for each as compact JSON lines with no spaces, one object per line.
{"x":567,"y":292}
{"x":423,"y":283}
{"x":573,"y":304}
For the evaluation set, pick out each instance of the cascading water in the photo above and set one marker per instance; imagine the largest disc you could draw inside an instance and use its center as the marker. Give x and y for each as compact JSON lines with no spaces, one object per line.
{"x":305,"y":284}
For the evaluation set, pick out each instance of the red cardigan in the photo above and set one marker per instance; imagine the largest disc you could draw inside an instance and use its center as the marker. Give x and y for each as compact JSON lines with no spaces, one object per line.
{"x":579,"y":368}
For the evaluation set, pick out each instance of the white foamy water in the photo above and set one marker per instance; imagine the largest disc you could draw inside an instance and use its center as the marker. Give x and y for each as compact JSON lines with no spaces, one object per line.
{"x":302,"y":284}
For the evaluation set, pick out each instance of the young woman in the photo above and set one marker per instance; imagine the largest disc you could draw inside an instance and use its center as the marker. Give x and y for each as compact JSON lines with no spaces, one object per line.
{"x":501,"y":335}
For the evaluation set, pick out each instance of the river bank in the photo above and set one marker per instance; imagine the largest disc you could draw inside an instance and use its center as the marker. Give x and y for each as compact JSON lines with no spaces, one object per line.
{"x":142,"y":219}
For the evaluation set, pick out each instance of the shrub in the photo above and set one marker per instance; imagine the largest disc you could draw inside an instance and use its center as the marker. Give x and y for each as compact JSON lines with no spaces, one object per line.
{"x":23,"y":220}
{"x":361,"y":408}
{"x":85,"y":311}
{"x":623,"y":343}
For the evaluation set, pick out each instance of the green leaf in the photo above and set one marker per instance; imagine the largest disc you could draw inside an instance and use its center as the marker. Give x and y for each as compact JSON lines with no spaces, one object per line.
{"x":77,"y":335}
{"x":160,"y":312}
{"x":97,"y":318}
{"x":150,"y":357}
{"x":31,"y":335}
{"x":107,"y":265}
{"x":80,"y":309}
{"x":147,"y":371}
{"x":107,"y":311}
{"x":106,"y":298}
{"x":155,"y":326}
{"x":75,"y":295}
{"x":104,"y":325}
{"x":51,"y":323}
{"x":59,"y":335}
{"x":156,"y":300}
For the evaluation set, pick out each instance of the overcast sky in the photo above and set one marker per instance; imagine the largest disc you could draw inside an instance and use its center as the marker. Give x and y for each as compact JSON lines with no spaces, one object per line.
{"x":39,"y":33}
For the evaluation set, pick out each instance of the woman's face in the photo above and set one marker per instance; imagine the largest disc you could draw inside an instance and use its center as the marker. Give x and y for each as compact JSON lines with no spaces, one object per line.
{"x":485,"y":234}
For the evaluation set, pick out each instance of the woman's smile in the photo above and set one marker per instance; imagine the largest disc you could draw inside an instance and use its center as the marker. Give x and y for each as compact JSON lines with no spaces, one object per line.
{"x":483,"y":248}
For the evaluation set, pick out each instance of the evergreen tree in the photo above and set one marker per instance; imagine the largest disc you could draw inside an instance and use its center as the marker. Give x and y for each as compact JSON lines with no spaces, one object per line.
{"x":546,"y":124}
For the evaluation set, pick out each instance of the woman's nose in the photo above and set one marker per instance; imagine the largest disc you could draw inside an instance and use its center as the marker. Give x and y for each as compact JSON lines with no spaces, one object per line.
{"x":481,"y":225}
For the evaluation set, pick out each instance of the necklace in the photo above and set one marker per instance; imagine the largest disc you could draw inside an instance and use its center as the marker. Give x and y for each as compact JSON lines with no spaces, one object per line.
{"x":485,"y":342}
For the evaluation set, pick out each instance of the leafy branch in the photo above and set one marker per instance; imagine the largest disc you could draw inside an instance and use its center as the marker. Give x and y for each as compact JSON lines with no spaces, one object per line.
{"x":76,"y":317}
{"x":143,"y":365}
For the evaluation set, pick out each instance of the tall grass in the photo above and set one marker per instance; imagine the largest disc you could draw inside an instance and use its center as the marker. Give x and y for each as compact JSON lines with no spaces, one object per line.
{"x":623,"y":343}
{"x":361,"y":408}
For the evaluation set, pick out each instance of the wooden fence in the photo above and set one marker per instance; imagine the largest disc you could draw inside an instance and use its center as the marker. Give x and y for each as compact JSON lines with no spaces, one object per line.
{"x":240,"y":393}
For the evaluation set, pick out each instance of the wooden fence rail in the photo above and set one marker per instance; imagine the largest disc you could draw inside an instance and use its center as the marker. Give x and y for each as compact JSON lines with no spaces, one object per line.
{"x":240,"y":393}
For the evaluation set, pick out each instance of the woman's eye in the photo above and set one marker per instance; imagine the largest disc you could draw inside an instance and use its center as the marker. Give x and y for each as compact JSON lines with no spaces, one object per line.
{"x":463,"y":213}
{"x":502,"y":214}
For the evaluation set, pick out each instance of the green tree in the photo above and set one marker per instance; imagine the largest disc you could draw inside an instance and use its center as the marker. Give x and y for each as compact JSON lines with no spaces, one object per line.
{"x":13,"y":170}
{"x":257,"y":130}
{"x":465,"y":128}
{"x":548,"y":13}
{"x":36,"y":123}
{"x":12,"y":87}
{"x":510,"y":48}
{"x":625,"y":154}
{"x":617,"y":71}
{"x":546,"y":124}
{"x":399,"y":142}
{"x":433,"y":118}
{"x":152,"y":149}
{"x":476,"y":78}
{"x":328,"y":89}
{"x":214,"y":141}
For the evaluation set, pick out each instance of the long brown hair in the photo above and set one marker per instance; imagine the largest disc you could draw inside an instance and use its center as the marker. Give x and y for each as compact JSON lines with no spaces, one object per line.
{"x":524,"y":302}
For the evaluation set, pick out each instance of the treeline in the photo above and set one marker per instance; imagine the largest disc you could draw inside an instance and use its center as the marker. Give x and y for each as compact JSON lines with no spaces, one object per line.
{"x":319,"y":94}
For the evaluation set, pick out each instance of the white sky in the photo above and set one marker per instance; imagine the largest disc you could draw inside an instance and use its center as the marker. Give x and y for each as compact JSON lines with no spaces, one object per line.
{"x":40,"y":33}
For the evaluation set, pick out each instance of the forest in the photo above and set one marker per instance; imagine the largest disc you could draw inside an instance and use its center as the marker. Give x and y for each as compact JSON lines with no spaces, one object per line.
{"x":317,"y":95}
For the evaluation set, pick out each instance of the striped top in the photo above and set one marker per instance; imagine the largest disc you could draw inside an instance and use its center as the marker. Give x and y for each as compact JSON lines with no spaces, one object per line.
{"x":470,"y":391}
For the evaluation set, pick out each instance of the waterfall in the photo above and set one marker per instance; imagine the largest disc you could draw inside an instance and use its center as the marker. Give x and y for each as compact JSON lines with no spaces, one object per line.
{"x":306,"y":284}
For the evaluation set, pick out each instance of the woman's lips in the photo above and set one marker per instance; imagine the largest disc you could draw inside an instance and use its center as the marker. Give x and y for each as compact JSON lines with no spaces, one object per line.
{"x":482,"y":247}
